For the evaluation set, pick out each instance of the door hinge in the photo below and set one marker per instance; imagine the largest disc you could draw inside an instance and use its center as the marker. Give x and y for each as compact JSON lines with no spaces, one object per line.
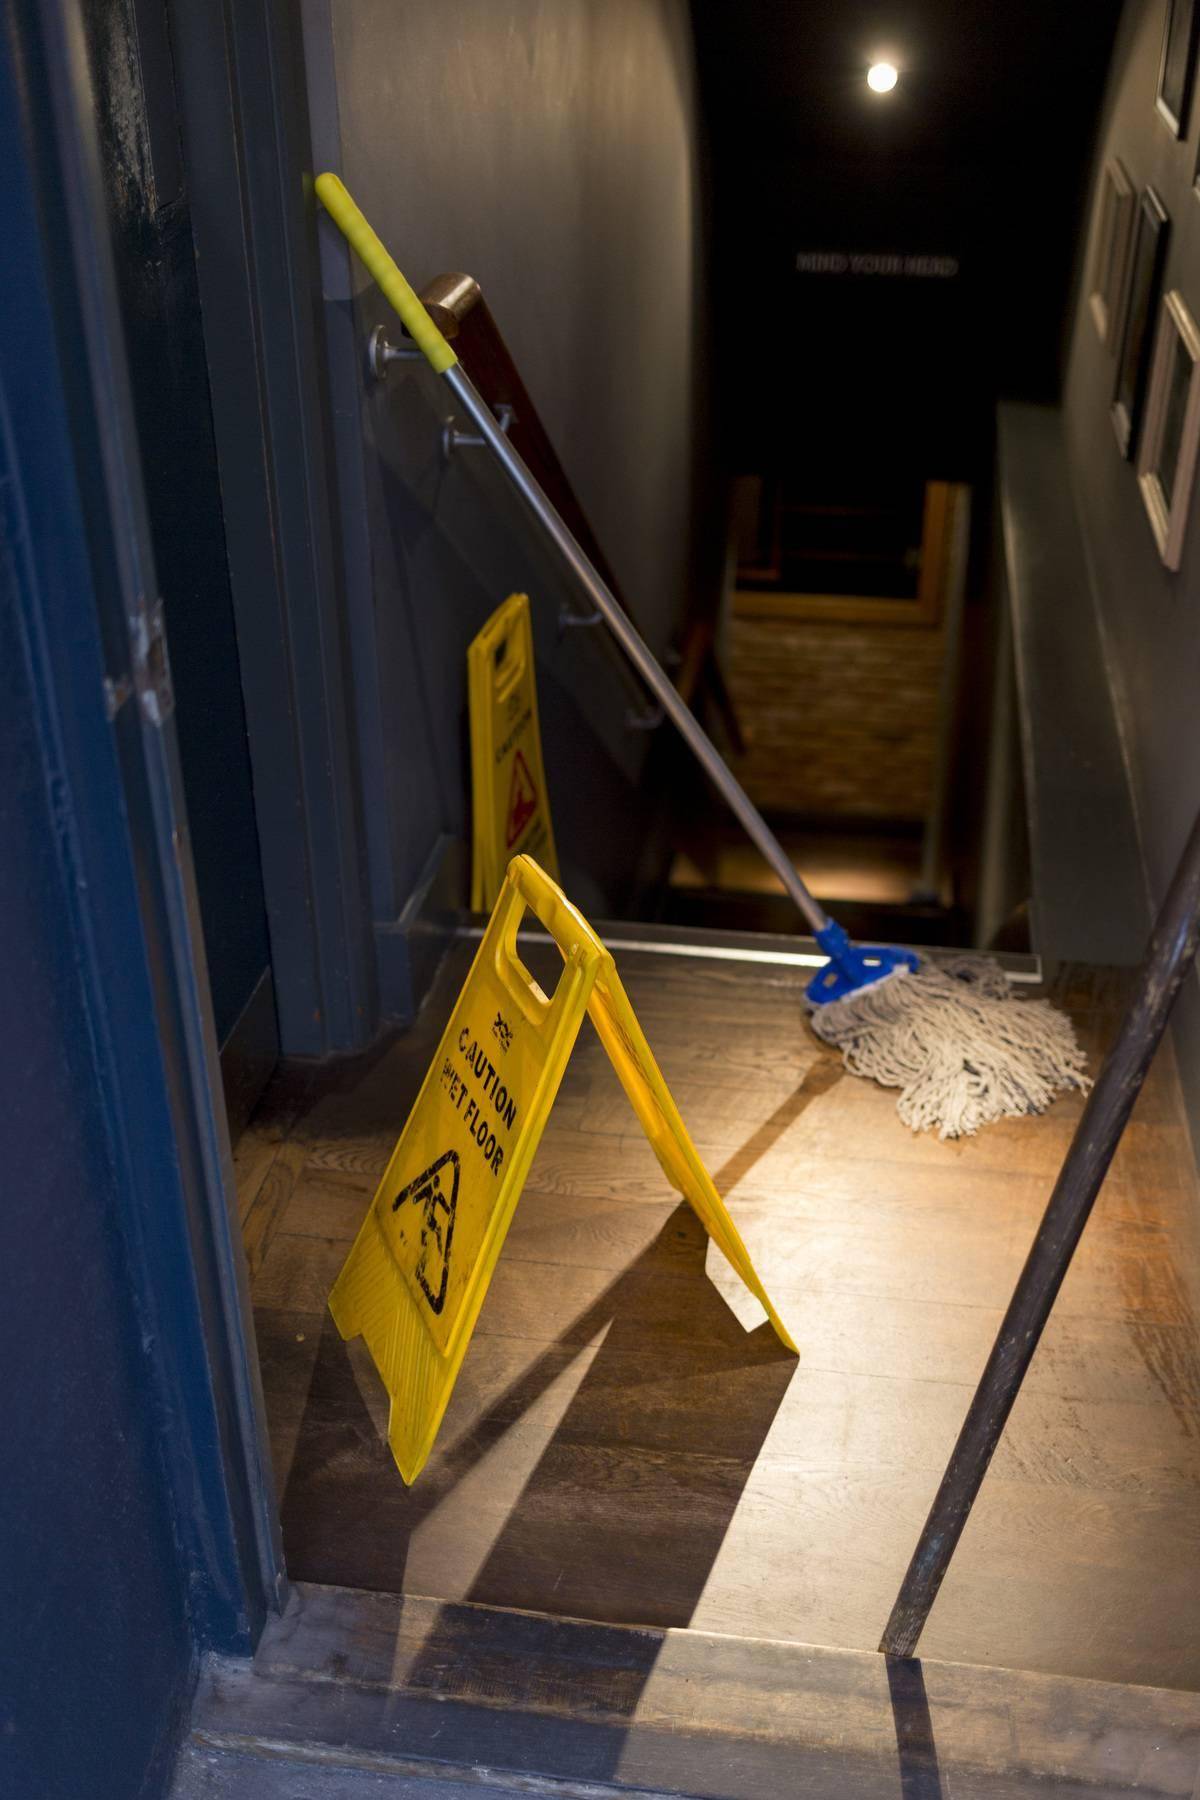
{"x":116,"y":692}
{"x":151,"y":665}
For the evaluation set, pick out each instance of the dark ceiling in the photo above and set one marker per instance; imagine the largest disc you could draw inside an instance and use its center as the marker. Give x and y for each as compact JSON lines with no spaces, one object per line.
{"x":976,"y":74}
{"x":979,"y":154}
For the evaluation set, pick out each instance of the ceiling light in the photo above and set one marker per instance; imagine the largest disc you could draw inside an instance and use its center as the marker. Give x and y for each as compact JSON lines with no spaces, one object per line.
{"x":882,"y":77}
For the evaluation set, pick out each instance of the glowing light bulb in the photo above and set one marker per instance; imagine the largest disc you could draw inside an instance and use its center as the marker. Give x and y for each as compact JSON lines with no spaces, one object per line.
{"x":882,"y":77}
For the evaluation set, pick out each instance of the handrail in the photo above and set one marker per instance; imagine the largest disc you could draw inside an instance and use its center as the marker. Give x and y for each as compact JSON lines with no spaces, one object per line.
{"x":849,"y":968}
{"x":700,"y":670}
{"x":448,"y":299}
{"x":1167,"y":965}
{"x":457,"y":306}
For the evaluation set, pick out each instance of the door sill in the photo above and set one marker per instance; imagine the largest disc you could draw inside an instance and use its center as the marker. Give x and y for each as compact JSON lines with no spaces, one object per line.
{"x":422,"y":1690}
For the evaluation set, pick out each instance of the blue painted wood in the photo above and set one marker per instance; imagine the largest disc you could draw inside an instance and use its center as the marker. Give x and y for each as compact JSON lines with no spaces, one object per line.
{"x":96,"y":1602}
{"x":134,"y":1518}
{"x":149,"y":217}
{"x":95,"y":1590}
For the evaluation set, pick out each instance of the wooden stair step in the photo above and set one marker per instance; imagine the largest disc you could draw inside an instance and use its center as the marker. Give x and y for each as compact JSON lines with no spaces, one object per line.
{"x":412,"y":1688}
{"x":205,"y":1772}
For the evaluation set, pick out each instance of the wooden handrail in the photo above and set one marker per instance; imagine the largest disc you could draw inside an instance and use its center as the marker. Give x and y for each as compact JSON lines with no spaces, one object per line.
{"x":459,"y":310}
{"x":448,"y":299}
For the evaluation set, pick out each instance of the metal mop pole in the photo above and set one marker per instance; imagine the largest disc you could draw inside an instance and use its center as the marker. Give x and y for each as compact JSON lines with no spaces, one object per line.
{"x":850,"y":968}
{"x":631,"y":642}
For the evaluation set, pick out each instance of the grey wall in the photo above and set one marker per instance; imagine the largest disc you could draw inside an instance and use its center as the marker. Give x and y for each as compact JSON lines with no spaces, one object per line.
{"x":1150,"y":618}
{"x":549,"y":148}
{"x":807,"y":158}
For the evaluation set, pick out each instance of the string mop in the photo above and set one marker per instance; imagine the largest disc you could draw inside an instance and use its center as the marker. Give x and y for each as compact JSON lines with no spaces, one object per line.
{"x":962,"y":1048}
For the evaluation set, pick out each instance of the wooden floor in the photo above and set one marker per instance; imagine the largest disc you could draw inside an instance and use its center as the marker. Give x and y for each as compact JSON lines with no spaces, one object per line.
{"x":628,"y":1442}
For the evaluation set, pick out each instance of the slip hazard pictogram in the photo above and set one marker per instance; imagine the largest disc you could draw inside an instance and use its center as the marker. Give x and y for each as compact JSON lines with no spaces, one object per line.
{"x":522,"y":801}
{"x":510,"y":802}
{"x":428,"y":1193}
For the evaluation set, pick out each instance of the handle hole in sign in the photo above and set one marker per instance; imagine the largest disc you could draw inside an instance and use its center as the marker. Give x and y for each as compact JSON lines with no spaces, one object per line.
{"x":547,"y":958}
{"x":508,"y":666}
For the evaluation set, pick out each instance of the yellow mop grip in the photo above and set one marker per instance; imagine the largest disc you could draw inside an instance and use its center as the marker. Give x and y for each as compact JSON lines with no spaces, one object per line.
{"x":332,"y":194}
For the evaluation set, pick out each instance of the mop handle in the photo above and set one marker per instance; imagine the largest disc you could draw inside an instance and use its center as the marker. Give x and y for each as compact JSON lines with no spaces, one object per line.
{"x":373,"y":254}
{"x":425,"y":334}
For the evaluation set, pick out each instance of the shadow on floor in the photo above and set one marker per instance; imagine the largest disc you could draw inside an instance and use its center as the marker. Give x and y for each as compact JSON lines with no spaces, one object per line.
{"x":820,"y":1078}
{"x":606,"y":1499}
{"x":920,"y":1775}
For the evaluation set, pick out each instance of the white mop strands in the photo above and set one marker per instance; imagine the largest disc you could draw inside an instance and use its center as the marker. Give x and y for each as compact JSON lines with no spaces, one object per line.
{"x":963,"y":1049}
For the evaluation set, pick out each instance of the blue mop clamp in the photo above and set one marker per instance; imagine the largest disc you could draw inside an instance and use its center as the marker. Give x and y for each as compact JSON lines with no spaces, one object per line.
{"x":852,"y":966}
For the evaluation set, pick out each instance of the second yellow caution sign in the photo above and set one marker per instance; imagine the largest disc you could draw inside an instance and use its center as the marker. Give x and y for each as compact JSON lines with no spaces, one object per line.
{"x":511,"y":808}
{"x":416,"y":1278}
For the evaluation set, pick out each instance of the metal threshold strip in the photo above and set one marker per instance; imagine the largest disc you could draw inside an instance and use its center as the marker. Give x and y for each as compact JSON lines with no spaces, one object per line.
{"x":745,"y":947}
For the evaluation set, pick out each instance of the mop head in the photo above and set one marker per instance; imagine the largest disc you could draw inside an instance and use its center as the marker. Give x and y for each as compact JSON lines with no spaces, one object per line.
{"x":957,"y":1042}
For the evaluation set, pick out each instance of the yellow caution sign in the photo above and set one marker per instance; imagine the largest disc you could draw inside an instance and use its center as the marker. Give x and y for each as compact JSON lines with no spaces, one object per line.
{"x":511,"y":808}
{"x":416,"y":1278}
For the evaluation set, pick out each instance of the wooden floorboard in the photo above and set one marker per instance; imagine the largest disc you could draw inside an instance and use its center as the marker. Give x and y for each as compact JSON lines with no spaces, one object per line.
{"x":629,"y":1443}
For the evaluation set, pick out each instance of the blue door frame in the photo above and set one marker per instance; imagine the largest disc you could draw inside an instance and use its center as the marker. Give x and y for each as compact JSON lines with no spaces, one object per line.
{"x":74,"y":535}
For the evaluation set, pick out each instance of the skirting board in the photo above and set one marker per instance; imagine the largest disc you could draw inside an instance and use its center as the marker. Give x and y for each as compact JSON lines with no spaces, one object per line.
{"x":409,"y":949}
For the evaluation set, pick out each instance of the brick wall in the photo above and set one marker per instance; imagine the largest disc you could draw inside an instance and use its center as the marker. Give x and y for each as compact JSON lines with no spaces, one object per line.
{"x":839,"y":719}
